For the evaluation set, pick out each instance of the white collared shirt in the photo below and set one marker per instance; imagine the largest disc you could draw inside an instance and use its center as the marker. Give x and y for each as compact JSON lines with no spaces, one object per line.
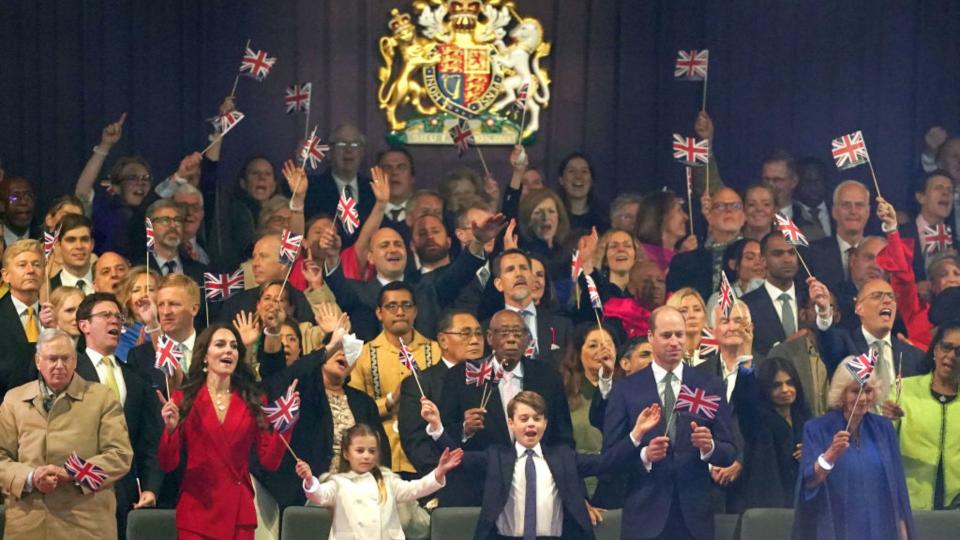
{"x":775,"y":293}
{"x":549,"y":509}
{"x":9,"y":237}
{"x":889,"y":373}
{"x":510,"y":385}
{"x":161,"y":261}
{"x":730,"y":376}
{"x":97,"y":360}
{"x":187,"y":347}
{"x":69,"y":280}
{"x":341,"y":183}
{"x":385,"y":281}
{"x":658,"y":375}
{"x":22,"y":312}
{"x":787,"y":211}
{"x":531,"y":322}
{"x":402,"y":207}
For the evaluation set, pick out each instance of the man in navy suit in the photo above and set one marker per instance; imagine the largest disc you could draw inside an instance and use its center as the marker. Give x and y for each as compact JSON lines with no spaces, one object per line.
{"x":668,"y":493}
{"x":535,"y":491}
{"x":829,"y":257}
{"x":774,"y":305}
{"x":876,"y":306}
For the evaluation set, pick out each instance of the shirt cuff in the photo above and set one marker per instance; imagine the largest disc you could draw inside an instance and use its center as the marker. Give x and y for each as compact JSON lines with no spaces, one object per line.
{"x":435,"y":434}
{"x":883,"y":227}
{"x":706,"y":455}
{"x":635,"y":442}
{"x":28,"y":485}
{"x":311,"y":487}
{"x":643,"y":457}
{"x":330,"y":270}
{"x":604,"y":385}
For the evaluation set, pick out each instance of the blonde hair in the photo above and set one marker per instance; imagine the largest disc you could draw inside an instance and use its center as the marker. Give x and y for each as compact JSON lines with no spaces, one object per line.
{"x":125,"y":287}
{"x":676,"y":300}
{"x":183,"y":281}
{"x":60,"y":295}
{"x":21,"y":246}
{"x":363,"y":430}
{"x":843,"y":378}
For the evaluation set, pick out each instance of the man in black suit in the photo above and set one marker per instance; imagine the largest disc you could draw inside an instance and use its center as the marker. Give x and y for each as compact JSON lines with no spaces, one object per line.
{"x":700,"y":268}
{"x":774,"y":305}
{"x":550,"y":333}
{"x":348,"y":145}
{"x":829,"y":257}
{"x":20,"y":313}
{"x":461,"y":338}
{"x":862,"y":267}
{"x":934,"y":194}
{"x":397,"y":163}
{"x":478,"y":428}
{"x":876,"y":306}
{"x":100,"y":319}
{"x":76,"y":247}
{"x":779,"y":171}
{"x":669,"y":486}
{"x":167,"y":217}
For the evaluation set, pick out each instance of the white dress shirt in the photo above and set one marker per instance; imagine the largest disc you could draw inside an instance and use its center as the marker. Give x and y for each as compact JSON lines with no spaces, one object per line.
{"x":530,"y":322}
{"x":69,"y":280}
{"x":885,"y":356}
{"x":549,"y":509}
{"x":510,"y":385}
{"x":102,"y":368}
{"x":775,"y":293}
{"x":22,"y":312}
{"x":400,"y":209}
{"x":187,"y":347}
{"x":161,"y":261}
{"x":659,"y":374}
{"x":341,"y":183}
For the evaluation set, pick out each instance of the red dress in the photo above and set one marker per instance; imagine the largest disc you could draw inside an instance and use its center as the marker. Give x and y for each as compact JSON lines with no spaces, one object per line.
{"x":216,"y":494}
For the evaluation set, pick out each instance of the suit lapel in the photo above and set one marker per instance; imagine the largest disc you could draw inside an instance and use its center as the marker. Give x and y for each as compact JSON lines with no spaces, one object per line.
{"x":859,"y":341}
{"x":771,"y":315}
{"x":219,"y":435}
{"x":508,"y":460}
{"x":8,"y":312}
{"x":86,"y":369}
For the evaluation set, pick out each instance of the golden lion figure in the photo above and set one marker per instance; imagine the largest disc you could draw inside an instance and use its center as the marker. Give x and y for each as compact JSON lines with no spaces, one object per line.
{"x":415,"y":53}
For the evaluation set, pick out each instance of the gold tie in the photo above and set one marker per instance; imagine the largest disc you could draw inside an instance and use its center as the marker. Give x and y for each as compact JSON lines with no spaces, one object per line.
{"x":111,"y":381}
{"x":32,"y":330}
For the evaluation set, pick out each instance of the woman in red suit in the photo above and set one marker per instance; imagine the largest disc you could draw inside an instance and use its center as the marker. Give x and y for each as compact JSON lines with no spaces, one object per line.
{"x":223,"y":420}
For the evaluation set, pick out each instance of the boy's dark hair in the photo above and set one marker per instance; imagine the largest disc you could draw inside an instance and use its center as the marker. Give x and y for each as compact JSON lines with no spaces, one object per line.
{"x":529,"y":398}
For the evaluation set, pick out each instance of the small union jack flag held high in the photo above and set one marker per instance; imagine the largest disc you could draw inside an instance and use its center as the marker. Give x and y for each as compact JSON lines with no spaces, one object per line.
{"x":222,"y":286}
{"x":462,"y":136}
{"x":595,"y":299}
{"x":478,"y":371}
{"x":256,"y":64}
{"x":283,"y":413}
{"x":297,"y":97}
{"x":727,"y":298}
{"x":169,"y":356}
{"x":347,"y":213}
{"x":577,"y":266}
{"x":406,"y":358}
{"x":50,"y":240}
{"x":224,"y":123}
{"x":84,"y":472}
{"x":313,"y":151}
{"x":791,"y":233}
{"x":862,"y":366}
{"x":151,"y":238}
{"x":289,"y":246}
{"x":691,"y":65}
{"x":690,"y":151}
{"x":849,"y":150}
{"x":698,"y":402}
{"x":708,"y":343}
{"x":936,"y":238}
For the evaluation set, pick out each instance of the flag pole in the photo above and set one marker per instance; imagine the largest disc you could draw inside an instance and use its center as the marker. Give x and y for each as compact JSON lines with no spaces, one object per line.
{"x":292,"y":453}
{"x":285,"y":279}
{"x":483,"y":162}
{"x":216,"y":138}
{"x":306,"y":122}
{"x":874,"y":175}
{"x":854,"y":407}
{"x":523,"y":120}
{"x":703,"y":104}
{"x":800,"y":257}
{"x":899,"y":377}
{"x":236,"y":80}
{"x":690,"y":195}
{"x":206,"y":307}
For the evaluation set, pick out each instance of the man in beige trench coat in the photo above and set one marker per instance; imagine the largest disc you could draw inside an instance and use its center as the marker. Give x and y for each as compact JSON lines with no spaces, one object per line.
{"x":41,"y":424}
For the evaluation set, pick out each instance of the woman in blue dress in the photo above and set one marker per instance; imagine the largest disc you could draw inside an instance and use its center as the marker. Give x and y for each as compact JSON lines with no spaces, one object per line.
{"x":852,"y":483}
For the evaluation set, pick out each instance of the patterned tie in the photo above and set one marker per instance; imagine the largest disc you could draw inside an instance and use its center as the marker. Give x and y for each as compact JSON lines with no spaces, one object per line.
{"x":32,"y":329}
{"x":530,"y":499}
{"x":669,"y":402}
{"x":111,"y":381}
{"x":534,"y":347}
{"x":786,"y":315}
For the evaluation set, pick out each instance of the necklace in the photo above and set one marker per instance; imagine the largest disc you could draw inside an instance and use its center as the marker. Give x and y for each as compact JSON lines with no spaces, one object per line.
{"x":218,"y":398}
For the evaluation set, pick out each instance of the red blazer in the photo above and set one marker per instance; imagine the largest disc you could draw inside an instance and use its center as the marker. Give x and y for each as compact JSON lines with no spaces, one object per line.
{"x":216,"y":494}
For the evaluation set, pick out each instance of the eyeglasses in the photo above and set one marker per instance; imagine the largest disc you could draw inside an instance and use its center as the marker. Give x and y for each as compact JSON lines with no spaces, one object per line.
{"x":850,"y":205}
{"x":947,"y":348}
{"x":882,"y":295}
{"x":466,"y":333}
{"x":343,"y":145}
{"x":120,"y":317}
{"x":510,"y":332}
{"x":134,"y":179}
{"x":730,"y":207}
{"x":163,"y":221}
{"x":392,"y":307}
{"x":195,"y":207}
{"x":23,"y":196}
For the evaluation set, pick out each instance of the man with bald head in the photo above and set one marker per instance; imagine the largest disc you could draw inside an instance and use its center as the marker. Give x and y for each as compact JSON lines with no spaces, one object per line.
{"x":862,"y":267}
{"x":343,"y":176}
{"x":108,"y":271}
{"x":829,"y":258}
{"x":700,"y":268}
{"x":876,"y":308}
{"x":478,"y":428}
{"x":668,"y":488}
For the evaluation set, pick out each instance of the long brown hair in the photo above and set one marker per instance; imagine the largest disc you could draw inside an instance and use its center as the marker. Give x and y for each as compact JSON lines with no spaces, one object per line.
{"x":363,"y":430}
{"x":242,"y":380}
{"x":571,"y":366}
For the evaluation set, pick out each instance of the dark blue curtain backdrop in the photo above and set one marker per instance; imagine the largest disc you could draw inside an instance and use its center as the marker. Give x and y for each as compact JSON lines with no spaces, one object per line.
{"x":791,"y":74}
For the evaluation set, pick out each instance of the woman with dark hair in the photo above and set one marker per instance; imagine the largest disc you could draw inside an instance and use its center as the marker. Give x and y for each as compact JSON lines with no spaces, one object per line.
{"x":773,"y":432}
{"x":542,"y":288}
{"x":579,"y":198}
{"x":545,"y":231}
{"x":744,"y":268}
{"x":216,"y":421}
{"x":662,"y":228}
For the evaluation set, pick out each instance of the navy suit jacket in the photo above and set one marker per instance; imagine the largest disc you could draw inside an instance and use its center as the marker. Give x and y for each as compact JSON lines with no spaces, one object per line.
{"x":767,"y":328}
{"x":825,"y":261}
{"x":16,"y":355}
{"x":836,"y":343}
{"x":682,"y":475}
{"x":497,"y":465}
{"x":322,"y":198}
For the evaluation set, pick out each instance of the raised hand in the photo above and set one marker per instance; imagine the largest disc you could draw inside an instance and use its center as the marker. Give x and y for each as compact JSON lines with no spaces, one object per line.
{"x":588,"y":249}
{"x":189,"y":168}
{"x":489,"y":228}
{"x":518,"y":159}
{"x":312,"y":272}
{"x":491,"y":187}
{"x":248,"y":326}
{"x":449,"y":460}
{"x":48,"y":318}
{"x":819,"y":294}
{"x":145,"y":309}
{"x":690,"y":243}
{"x":646,"y":421}
{"x":380,"y":184}
{"x":841,"y":441}
{"x":112,"y":133}
{"x":473,"y":420}
{"x":296,"y":178}
{"x":303,"y":470}
{"x":657,"y":449}
{"x":170,"y":413}
{"x":430,"y":413}
{"x":933,"y":139}
{"x":701,"y":437}
{"x":509,"y":236}
{"x":328,"y":316}
{"x":887,"y":214}
{"x":703,"y":125}
{"x":229,"y":104}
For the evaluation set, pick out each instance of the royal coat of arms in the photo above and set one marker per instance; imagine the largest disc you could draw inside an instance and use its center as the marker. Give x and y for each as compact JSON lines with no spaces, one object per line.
{"x":458,"y":66}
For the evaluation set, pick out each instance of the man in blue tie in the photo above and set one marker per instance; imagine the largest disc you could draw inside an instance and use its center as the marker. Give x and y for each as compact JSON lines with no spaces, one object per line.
{"x":668,"y":486}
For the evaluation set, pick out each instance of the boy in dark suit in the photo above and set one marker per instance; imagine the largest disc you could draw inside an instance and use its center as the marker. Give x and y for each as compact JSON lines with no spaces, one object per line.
{"x":546,"y":500}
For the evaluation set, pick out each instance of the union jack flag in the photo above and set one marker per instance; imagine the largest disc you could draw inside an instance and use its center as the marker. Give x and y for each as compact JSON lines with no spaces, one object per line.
{"x":727,"y":298}
{"x":256,"y":64}
{"x":497,"y":372}
{"x":690,"y":151}
{"x":708,"y":343}
{"x":531,"y":350}
{"x":691,"y":65}
{"x":169,"y":355}
{"x":595,"y":299}
{"x":791,"y":233}
{"x":224,"y":123}
{"x":462,"y":136}
{"x":406,"y":357}
{"x":936,"y":238}
{"x":222,"y":286}
{"x":849,"y":150}
{"x":298,"y":97}
{"x":577,"y":268}
{"x":85,"y":473}
{"x":49,"y":240}
{"x":347,"y":212}
{"x":283,"y":413}
{"x":520,"y":103}
{"x":478,"y":371}
{"x":698,"y":402}
{"x":151,"y":238}
{"x":862,"y":366}
{"x":313,"y":152}
{"x":289,"y":246}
